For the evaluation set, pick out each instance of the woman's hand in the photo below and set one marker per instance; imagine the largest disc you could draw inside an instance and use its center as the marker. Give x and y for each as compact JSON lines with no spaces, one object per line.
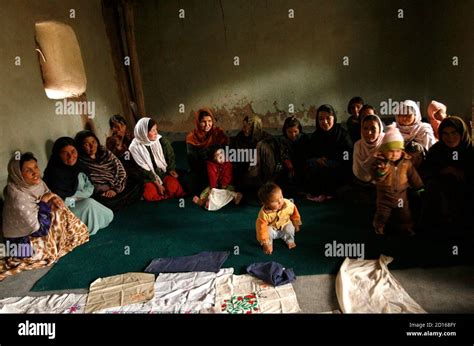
{"x":55,"y":202}
{"x":46,"y":197}
{"x":161,"y":188}
{"x":109,"y":194}
{"x":174,"y":174}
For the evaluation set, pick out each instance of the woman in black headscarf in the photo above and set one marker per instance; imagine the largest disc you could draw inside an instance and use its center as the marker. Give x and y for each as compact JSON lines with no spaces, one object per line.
{"x":67,"y":179}
{"x":448,"y":173}
{"x":330,"y":155}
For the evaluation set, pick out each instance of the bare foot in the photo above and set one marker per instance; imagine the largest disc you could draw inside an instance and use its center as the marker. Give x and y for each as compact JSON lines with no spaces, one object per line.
{"x":198,"y":201}
{"x":268,"y":249}
{"x":238,"y":198}
{"x":291,"y":245}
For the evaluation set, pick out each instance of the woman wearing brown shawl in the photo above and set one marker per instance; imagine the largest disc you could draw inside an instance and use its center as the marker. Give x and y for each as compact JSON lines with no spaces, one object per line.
{"x":35,"y":221}
{"x":268,"y":165}
{"x":111,"y":187}
{"x":198,"y":142}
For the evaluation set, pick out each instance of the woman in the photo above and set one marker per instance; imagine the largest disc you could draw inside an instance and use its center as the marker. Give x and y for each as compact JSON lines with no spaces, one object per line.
{"x":293,"y":151}
{"x":65,"y":178}
{"x":155,"y":155}
{"x":448,"y":173}
{"x":36,"y":220}
{"x":106,"y":172}
{"x":267,"y":163}
{"x":418,"y":136}
{"x":198,"y":143}
{"x":330,"y":155}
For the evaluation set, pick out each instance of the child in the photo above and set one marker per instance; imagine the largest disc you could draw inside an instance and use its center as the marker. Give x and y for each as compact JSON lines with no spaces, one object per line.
{"x":278,"y":218}
{"x":436,"y":114}
{"x":353,"y":122}
{"x":418,"y":136}
{"x":220,"y":191}
{"x":393,"y":173}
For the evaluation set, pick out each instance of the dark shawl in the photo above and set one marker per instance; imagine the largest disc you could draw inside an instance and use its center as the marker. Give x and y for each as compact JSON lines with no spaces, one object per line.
{"x":60,"y":178}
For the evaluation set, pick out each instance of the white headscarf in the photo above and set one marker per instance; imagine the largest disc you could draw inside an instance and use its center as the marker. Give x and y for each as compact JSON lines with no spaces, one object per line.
{"x":364,"y":155}
{"x":140,"y":153}
{"x":419,"y":131}
{"x":20,"y":212}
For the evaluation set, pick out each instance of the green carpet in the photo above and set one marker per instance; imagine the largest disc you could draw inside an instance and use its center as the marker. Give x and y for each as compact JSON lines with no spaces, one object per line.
{"x":146,"y":231}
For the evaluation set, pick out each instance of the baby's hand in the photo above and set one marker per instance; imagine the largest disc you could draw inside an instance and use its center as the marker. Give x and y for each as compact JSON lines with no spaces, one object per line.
{"x":268,"y":249}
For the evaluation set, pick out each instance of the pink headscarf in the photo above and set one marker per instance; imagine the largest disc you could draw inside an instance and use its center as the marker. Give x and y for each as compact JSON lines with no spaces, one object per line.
{"x":433,"y":107}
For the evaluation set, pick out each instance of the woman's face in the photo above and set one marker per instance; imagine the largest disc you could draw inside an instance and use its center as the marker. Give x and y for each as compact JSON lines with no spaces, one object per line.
{"x":206,"y":123}
{"x":90,"y":146}
{"x":31,"y":172}
{"x":153,"y":133}
{"x":68,"y":155}
{"x":292,"y":133}
{"x":355,"y":108}
{"x":247,"y":129}
{"x":118,"y":128}
{"x":325,"y":120}
{"x":407,"y":118}
{"x":370,"y":131}
{"x":451,"y":137}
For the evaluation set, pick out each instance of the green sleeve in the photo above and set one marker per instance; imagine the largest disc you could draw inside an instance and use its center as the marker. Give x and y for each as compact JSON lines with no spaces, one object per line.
{"x":169,"y":154}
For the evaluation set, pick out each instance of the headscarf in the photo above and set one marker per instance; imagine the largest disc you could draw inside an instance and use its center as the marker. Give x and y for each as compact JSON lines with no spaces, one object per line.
{"x":440,"y":155}
{"x":202,"y":139}
{"x":419,"y":131}
{"x":140,"y":153}
{"x":256,"y":125}
{"x":61,"y":178}
{"x":364,"y":153}
{"x":20,"y":212}
{"x":329,"y":143}
{"x":461,"y":128}
{"x":433,"y":107}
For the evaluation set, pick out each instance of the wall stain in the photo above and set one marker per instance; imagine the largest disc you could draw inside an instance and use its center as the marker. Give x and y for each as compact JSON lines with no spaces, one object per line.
{"x":231,"y":117}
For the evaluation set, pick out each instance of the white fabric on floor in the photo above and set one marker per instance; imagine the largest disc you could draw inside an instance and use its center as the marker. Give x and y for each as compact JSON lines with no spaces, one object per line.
{"x":247,"y":294}
{"x":219,"y":198}
{"x":120,"y":290}
{"x":194,"y":292}
{"x":179,"y":293}
{"x":55,"y":304}
{"x":367,"y":286}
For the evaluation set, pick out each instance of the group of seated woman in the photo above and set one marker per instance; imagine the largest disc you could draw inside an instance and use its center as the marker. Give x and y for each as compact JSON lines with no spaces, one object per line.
{"x":85,"y":183}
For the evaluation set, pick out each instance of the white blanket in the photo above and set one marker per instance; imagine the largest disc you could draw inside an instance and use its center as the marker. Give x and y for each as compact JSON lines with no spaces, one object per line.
{"x":55,"y":304}
{"x":366,"y":286}
{"x":194,"y":292}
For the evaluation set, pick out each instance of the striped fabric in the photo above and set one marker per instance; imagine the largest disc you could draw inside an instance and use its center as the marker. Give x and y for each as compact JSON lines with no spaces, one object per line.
{"x":106,"y":171}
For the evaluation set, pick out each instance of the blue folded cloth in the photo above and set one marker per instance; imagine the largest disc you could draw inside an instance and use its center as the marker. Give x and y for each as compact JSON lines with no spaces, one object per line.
{"x":272,"y":273}
{"x":201,"y":262}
